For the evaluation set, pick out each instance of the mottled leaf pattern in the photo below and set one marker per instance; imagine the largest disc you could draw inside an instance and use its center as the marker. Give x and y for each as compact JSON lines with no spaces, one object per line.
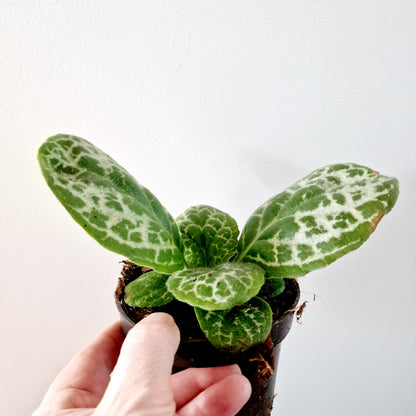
{"x":148,"y":290}
{"x":109,"y":204}
{"x":238,"y":328}
{"x":312,"y":223}
{"x":220,"y":287}
{"x":209,"y":236}
{"x":317,"y":220}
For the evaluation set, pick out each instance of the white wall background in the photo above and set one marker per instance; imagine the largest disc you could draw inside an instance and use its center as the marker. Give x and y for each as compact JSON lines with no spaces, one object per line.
{"x":223,"y":103}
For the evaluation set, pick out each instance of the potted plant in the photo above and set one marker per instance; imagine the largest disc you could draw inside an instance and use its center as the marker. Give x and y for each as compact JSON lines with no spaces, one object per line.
{"x":233,"y":295}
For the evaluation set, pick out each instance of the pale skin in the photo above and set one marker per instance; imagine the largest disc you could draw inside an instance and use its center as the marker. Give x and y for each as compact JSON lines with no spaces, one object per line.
{"x":114,"y":376}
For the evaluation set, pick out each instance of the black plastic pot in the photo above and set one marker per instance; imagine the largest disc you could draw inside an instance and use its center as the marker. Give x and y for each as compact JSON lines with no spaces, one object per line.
{"x":258,"y":364}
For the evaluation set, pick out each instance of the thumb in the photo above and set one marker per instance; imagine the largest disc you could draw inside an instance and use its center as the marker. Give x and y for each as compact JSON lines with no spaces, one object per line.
{"x":140,"y":383}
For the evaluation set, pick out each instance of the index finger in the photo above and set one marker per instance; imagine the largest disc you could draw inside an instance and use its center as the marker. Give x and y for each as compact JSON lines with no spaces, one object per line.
{"x":187,"y":384}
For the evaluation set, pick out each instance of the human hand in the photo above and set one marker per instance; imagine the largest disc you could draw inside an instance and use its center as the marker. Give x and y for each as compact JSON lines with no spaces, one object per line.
{"x":112,"y":378}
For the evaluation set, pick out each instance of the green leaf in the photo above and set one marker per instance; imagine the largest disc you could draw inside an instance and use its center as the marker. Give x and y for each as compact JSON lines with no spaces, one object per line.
{"x":220,"y":287}
{"x":273,"y":286}
{"x":325,"y":215}
{"x":148,"y":290}
{"x":209,"y":236}
{"x":238,"y":328}
{"x":109,"y":204}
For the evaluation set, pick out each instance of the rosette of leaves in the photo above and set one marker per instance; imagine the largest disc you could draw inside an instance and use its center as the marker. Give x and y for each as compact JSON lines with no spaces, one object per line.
{"x":200,"y":258}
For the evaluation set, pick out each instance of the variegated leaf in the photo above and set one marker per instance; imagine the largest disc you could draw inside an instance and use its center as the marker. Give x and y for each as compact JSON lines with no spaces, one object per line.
{"x":325,"y":215}
{"x":238,"y":328}
{"x":209,"y":236}
{"x":148,"y":290}
{"x":109,"y":204}
{"x":220,"y":287}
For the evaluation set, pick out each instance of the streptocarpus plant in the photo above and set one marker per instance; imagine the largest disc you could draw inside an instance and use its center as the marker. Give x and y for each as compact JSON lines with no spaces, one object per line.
{"x":201,"y":258}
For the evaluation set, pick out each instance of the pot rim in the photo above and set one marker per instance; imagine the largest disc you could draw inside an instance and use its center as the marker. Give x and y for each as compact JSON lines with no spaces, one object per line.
{"x":279,"y":330}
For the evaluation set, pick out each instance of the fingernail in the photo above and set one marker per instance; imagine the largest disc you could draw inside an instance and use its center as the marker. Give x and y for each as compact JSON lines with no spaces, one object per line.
{"x":236,"y":368}
{"x":164,"y":317}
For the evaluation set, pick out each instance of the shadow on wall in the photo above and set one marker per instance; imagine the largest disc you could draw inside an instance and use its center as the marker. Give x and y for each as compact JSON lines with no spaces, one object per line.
{"x":275,"y":174}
